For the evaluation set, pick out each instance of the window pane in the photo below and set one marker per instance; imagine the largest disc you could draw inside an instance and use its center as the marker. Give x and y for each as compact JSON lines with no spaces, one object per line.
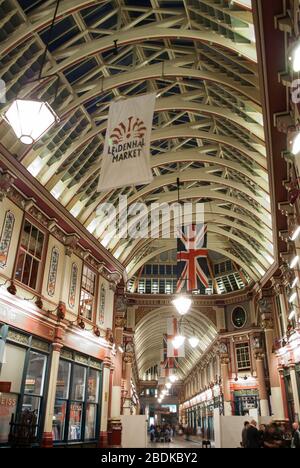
{"x":86,"y":305}
{"x":33,"y":239}
{"x":91,"y":418}
{"x":12,"y":369}
{"x":63,"y":380}
{"x":35,"y":377}
{"x":20,"y":264}
{"x":34,"y":274}
{"x":31,"y":403}
{"x":78,"y":385}
{"x":59,"y":420}
{"x":26,"y":235}
{"x":26,"y":270}
{"x":93,"y":386}
{"x":39,"y":246}
{"x":75,"y":421}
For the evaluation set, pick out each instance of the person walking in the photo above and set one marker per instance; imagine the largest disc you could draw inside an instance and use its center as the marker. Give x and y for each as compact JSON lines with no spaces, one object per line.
{"x":253,"y":437}
{"x":296,"y":436}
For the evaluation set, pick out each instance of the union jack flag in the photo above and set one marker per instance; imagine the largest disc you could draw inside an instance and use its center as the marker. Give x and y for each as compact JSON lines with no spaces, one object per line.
{"x":192,"y":253}
{"x":168,"y":364}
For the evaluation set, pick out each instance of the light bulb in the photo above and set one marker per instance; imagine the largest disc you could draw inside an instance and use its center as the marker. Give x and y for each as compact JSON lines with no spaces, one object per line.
{"x":173,"y":378}
{"x":294,"y":262}
{"x":296,"y":145}
{"x":194,"y":341}
{"x":292,"y":315}
{"x":296,"y":58}
{"x":292,"y":298}
{"x":182,"y":304}
{"x":178,"y":341}
{"x":169,"y":386}
{"x":295,"y":234}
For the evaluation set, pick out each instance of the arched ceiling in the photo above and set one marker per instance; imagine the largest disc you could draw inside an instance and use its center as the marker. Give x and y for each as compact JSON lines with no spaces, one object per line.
{"x":149,"y":340}
{"x":199,"y":56}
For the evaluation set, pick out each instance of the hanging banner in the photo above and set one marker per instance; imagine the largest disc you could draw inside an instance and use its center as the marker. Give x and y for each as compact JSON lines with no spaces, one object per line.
{"x":168,"y":364}
{"x":172,"y":331}
{"x":126,"y":156}
{"x":192,"y":259}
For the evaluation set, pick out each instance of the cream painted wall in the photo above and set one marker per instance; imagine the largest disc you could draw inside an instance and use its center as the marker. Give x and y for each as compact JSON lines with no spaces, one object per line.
{"x":7,"y":205}
{"x":109,"y":307}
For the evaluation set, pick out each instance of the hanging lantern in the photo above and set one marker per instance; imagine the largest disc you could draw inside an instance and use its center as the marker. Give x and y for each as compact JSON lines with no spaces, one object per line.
{"x":30,"y":119}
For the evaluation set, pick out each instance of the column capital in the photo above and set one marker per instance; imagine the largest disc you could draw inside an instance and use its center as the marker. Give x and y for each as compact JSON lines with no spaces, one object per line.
{"x":259,"y":355}
{"x":267,"y":323}
{"x":225,"y":360}
{"x":57,"y":347}
{"x":107,"y":364}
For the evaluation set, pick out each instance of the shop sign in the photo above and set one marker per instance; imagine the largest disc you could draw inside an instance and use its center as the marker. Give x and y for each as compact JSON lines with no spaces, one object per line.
{"x":8,"y":405}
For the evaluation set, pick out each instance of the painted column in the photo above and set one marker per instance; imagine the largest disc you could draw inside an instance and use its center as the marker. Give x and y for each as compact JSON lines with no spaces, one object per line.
{"x":283,"y":391}
{"x":266,"y":305}
{"x":47,"y":440}
{"x":105,"y":403}
{"x":295,"y":391}
{"x":115,"y":427}
{"x":128,"y":359}
{"x":226,"y":385}
{"x":276,"y":396}
{"x":262,"y":388}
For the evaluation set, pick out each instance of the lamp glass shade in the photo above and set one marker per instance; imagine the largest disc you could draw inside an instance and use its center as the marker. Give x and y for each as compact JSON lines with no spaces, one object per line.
{"x":30,"y":119}
{"x":296,"y":59}
{"x":194,"y":341}
{"x":295,"y":234}
{"x":173,"y":378}
{"x":294,"y":262}
{"x":178,"y":341}
{"x":169,"y":386}
{"x":182,"y":304}
{"x":296,"y":145}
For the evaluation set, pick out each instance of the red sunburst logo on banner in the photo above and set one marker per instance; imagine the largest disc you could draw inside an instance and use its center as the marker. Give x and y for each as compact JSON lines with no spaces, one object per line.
{"x":133,"y":128}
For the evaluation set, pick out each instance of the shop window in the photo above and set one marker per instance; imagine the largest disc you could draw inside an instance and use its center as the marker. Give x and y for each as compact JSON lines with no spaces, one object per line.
{"x":22,"y":383}
{"x":34,"y":383}
{"x":243,"y":356}
{"x":76,"y":412}
{"x":87,"y":295}
{"x":14,"y":359}
{"x":30,"y":255}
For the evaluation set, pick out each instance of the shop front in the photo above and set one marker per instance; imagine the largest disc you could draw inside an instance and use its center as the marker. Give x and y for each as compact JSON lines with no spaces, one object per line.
{"x":24,"y":371}
{"x":77,"y":407}
{"x":200,"y":412}
{"x":245,"y":397}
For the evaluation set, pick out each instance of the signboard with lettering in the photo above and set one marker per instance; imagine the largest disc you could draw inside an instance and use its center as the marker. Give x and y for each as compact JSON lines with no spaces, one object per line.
{"x":8,"y":407}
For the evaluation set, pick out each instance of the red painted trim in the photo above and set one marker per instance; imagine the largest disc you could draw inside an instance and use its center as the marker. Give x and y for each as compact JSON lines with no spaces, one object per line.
{"x":103,"y":440}
{"x":47,"y":441}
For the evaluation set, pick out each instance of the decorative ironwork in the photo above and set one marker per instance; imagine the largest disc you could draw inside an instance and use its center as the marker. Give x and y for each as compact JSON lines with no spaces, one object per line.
{"x":73,"y":286}
{"x":53,"y":272}
{"x":6,"y":236}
